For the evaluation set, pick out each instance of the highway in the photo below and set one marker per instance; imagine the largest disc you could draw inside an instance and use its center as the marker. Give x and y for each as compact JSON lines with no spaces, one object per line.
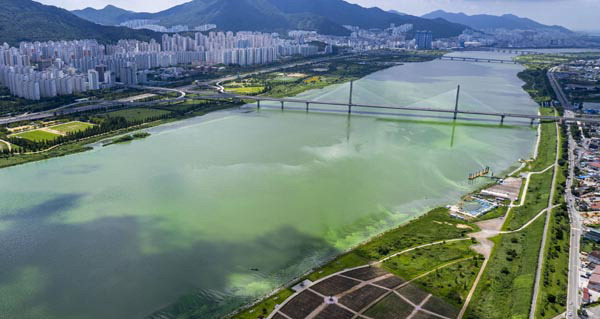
{"x":560,"y":94}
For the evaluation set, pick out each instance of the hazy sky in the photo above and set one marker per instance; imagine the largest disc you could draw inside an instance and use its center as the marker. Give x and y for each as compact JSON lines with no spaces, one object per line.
{"x":574,"y":14}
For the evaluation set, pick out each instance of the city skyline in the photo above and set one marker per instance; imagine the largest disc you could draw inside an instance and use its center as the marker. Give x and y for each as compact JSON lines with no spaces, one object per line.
{"x":578,"y":15}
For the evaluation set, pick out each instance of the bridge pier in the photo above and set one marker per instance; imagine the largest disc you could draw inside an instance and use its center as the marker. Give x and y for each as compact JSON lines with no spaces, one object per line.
{"x":502,"y":119}
{"x":307,"y":106}
{"x":258,"y":104}
{"x":532,"y":121}
{"x":282,"y":105}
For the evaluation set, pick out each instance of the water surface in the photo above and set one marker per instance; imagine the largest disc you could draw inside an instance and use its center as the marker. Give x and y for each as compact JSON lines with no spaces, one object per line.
{"x":122,"y":231}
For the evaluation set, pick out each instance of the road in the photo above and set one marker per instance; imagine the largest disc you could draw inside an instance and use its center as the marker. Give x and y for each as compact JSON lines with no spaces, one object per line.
{"x":573,"y":299}
{"x":102,"y":104}
{"x":560,"y":94}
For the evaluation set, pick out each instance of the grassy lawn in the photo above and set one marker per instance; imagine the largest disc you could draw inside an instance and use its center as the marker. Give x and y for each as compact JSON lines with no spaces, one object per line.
{"x":419,"y":261}
{"x":71,"y":127}
{"x":137,"y":114}
{"x":265,"y":307}
{"x":494,"y":213}
{"x":588,"y":245}
{"x":452,"y":283}
{"x":506,"y":287}
{"x":553,"y":290}
{"x":553,"y":297}
{"x":547,"y":147}
{"x":434,"y":226}
{"x":37,"y":135}
{"x":537,"y":199}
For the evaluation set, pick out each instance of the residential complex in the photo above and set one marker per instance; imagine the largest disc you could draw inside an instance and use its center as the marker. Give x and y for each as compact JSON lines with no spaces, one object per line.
{"x":47,"y":69}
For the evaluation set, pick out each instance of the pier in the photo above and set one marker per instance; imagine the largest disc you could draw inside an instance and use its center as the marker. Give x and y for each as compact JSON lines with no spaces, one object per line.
{"x":480,"y":173}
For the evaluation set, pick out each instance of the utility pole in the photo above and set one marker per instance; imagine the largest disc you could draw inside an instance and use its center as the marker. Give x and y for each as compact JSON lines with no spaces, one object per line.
{"x":456,"y":104}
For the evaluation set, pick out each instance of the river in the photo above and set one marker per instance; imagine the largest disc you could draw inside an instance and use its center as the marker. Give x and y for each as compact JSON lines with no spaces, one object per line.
{"x":227,"y":206}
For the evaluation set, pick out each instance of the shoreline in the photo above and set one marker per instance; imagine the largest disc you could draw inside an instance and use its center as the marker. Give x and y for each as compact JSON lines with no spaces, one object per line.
{"x":331,"y":259}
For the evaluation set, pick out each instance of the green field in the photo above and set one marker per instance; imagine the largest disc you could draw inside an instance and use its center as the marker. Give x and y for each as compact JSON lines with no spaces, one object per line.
{"x":286,"y":79}
{"x":434,"y":226}
{"x":71,"y":127}
{"x":137,"y":114}
{"x":537,"y":200}
{"x":553,"y":288}
{"x":37,"y":135}
{"x":506,"y":287}
{"x":422,"y":260}
{"x":547,"y":147}
{"x":553,"y":298}
{"x":452,"y":283}
{"x":265,"y":307}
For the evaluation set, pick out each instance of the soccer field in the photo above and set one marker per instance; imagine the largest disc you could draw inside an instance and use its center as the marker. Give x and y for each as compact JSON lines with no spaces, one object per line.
{"x":37,"y":135}
{"x":71,"y":127}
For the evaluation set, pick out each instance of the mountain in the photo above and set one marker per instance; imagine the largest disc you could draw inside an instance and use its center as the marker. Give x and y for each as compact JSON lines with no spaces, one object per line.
{"x":484,"y":21}
{"x":109,"y":15}
{"x":397,"y":12}
{"x":323,"y":16}
{"x":26,"y":20}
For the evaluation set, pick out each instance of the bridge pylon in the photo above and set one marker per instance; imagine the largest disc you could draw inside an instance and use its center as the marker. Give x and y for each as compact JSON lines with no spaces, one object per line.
{"x":456,"y":103}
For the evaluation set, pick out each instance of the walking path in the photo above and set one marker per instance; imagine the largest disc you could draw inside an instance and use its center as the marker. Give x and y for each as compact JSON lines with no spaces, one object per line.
{"x":538,"y":273}
{"x":7,"y":144}
{"x":492,"y":228}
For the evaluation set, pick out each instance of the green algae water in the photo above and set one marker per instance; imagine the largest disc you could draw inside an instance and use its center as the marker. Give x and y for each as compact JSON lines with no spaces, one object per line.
{"x":225,"y":207}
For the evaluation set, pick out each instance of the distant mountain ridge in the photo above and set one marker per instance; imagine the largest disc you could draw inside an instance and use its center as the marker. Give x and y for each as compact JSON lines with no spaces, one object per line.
{"x":323,"y":16}
{"x":109,"y":15}
{"x":26,"y":20}
{"x":485,"y":21}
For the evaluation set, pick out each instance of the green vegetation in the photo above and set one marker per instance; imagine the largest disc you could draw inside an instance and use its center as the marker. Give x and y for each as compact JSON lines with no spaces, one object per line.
{"x":14,"y":105}
{"x":266,"y":306}
{"x":547,"y":147}
{"x":26,"y":20}
{"x":506,"y":288}
{"x":309,"y":77}
{"x":71,"y":127}
{"x":128,"y":138}
{"x":137,"y":114}
{"x":588,"y":245}
{"x":493,"y":214}
{"x":537,"y":200}
{"x":437,"y":225}
{"x":553,"y":297}
{"x":37,"y":136}
{"x":416,"y":262}
{"x":553,"y":290}
{"x":452,"y":283}
{"x":345,"y":261}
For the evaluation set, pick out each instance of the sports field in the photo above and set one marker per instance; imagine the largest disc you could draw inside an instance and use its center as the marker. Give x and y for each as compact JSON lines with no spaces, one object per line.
{"x":37,"y":135}
{"x":71,"y":127}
